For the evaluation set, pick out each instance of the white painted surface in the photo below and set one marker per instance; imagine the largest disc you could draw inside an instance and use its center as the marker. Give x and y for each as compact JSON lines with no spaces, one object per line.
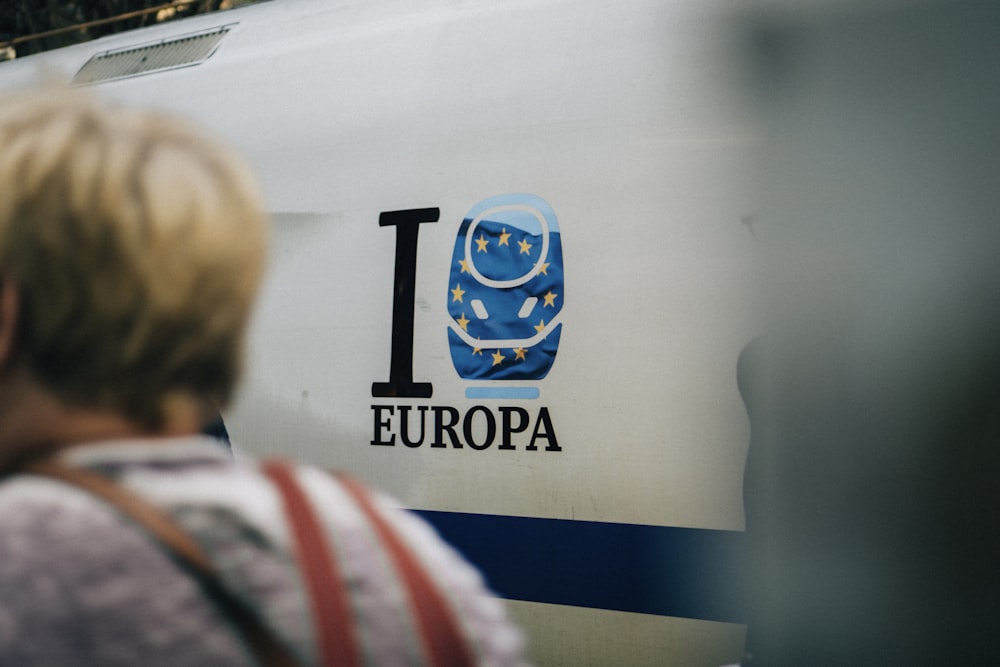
{"x":620,"y":116}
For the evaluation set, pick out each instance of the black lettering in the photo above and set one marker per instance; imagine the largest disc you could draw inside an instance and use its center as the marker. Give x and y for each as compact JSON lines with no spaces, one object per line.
{"x":549,"y":433}
{"x":507,"y":428}
{"x":491,"y":427}
{"x":513,"y":420}
{"x":380,"y":424}
{"x":440,"y":426}
{"x":401,"y":384}
{"x":404,"y":425}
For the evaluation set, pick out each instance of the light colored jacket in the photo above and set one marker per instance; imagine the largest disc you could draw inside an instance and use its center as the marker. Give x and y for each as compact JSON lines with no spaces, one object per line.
{"x":80,"y":584}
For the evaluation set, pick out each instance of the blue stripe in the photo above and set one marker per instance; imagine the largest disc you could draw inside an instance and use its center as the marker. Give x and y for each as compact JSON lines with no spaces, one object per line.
{"x":686,"y":572}
{"x":501,"y":392}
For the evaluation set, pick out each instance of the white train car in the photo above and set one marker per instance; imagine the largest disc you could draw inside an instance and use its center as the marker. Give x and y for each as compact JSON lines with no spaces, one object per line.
{"x":510,"y":281}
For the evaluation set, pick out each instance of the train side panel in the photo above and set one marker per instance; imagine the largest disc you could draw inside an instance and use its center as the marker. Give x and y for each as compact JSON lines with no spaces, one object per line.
{"x":431,"y":168}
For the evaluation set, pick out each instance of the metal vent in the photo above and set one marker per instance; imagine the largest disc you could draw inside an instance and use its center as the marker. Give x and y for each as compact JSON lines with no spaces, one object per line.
{"x":192,"y":49}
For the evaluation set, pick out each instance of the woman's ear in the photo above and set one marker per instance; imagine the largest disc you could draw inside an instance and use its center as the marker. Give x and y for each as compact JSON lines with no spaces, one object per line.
{"x":10,"y":312}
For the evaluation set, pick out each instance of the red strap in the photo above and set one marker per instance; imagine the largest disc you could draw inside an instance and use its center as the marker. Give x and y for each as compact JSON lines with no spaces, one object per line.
{"x":334,"y":624}
{"x":443,"y":642}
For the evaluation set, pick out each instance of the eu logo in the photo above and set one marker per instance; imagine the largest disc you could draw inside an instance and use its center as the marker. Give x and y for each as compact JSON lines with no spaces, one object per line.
{"x":505,"y":291}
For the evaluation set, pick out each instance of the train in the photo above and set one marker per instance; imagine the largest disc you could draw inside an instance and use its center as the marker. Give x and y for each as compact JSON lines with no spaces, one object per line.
{"x":512,"y":271}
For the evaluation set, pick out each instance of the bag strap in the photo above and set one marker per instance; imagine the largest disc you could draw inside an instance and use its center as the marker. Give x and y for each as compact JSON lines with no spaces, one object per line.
{"x":442,"y":641}
{"x":268,"y":650}
{"x":334,"y":627}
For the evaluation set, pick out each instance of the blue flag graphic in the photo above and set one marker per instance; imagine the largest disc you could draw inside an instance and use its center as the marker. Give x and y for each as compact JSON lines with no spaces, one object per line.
{"x":506,"y":290}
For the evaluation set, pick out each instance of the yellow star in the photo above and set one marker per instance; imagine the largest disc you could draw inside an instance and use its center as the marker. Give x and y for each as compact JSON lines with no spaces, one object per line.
{"x":482,"y":243}
{"x":525,"y":247}
{"x":519,"y":353}
{"x":465,"y":266}
{"x":477,"y":350}
{"x":463,"y":322}
{"x":456,"y":294}
{"x":550,"y":299}
{"x":544,"y":268}
{"x":504,"y":238}
{"x":540,"y":327}
{"x":497,"y":358}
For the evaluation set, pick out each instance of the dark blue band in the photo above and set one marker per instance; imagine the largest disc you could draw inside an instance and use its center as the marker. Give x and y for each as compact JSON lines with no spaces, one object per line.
{"x":686,"y":572}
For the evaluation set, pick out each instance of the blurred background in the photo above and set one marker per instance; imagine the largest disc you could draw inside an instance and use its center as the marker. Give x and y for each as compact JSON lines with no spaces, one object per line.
{"x":871,"y":489}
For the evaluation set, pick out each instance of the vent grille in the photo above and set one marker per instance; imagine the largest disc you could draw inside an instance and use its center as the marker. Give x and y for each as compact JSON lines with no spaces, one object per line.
{"x":186,"y":51}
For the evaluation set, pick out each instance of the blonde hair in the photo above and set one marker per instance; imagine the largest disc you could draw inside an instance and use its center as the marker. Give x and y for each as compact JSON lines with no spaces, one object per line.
{"x":137,"y":244}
